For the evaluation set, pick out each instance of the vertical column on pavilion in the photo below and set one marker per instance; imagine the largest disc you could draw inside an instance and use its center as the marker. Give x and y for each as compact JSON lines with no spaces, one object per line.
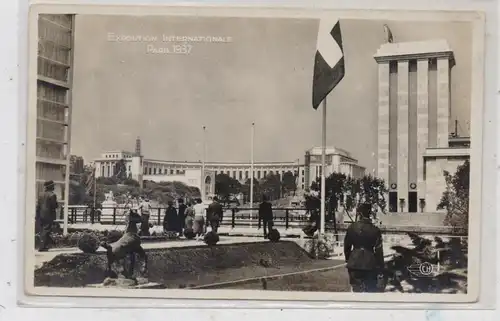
{"x":443,"y":101}
{"x":403,"y":95}
{"x":422,"y":121}
{"x":383,"y":121}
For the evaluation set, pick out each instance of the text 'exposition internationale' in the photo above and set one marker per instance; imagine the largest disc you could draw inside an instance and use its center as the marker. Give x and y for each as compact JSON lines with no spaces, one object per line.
{"x":168,"y":44}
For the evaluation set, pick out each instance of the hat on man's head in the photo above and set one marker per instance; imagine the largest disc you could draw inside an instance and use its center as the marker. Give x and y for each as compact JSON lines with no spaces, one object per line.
{"x":48,"y":184}
{"x":170,"y":203}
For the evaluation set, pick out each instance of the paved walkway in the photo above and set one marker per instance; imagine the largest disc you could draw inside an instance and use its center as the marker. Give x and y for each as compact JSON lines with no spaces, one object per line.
{"x":237,"y":231}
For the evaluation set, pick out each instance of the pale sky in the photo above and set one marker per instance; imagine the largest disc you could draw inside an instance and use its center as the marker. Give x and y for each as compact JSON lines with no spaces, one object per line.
{"x":263,"y":75}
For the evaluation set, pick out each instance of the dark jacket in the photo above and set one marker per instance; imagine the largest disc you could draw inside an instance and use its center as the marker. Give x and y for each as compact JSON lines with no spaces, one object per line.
{"x":363,"y":246}
{"x":182,"y":211}
{"x":46,"y":206}
{"x":265,"y":212}
{"x":214,"y":211}
{"x":170,"y":220}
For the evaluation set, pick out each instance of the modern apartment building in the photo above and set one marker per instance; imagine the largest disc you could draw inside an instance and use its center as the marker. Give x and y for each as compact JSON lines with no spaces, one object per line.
{"x":54,"y":79}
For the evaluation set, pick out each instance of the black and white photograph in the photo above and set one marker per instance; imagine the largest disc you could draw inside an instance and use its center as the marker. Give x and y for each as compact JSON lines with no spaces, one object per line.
{"x":256,"y":154}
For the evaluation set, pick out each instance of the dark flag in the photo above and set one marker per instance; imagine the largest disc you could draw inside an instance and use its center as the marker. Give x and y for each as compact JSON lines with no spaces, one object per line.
{"x":329,"y":62}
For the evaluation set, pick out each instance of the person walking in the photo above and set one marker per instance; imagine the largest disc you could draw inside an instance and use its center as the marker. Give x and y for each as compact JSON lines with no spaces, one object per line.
{"x":363,"y":250}
{"x":181,"y":214}
{"x":199,"y":218}
{"x":266,"y":216}
{"x":46,"y":214}
{"x":145,"y":211}
{"x":170,"y":219}
{"x":214,"y":214}
{"x":189,"y":213}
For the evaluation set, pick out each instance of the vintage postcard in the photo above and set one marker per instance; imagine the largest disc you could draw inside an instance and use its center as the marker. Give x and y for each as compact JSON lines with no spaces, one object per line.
{"x":254,"y":153}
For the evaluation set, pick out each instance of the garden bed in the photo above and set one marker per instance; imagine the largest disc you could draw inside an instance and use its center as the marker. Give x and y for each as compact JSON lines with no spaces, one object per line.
{"x":187,"y":267}
{"x":71,"y":239}
{"x":331,"y":280}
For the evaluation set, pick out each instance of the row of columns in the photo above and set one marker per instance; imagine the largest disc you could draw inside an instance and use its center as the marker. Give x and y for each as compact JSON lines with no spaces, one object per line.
{"x":232,"y":172}
{"x":403,"y":94}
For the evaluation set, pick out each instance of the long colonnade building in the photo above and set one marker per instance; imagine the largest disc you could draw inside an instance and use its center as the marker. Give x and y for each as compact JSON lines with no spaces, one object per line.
{"x":190,"y":172}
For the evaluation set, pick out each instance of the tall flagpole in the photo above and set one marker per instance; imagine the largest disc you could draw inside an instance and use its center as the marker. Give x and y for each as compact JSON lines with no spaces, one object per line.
{"x":95,"y":186}
{"x":251,"y":171}
{"x":323,"y":167}
{"x":202,"y":190}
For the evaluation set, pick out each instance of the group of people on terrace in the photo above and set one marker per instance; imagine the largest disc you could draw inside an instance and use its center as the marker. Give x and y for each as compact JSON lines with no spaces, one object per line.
{"x":193,"y":216}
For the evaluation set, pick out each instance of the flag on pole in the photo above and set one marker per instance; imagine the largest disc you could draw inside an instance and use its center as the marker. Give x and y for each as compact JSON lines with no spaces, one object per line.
{"x":89,"y":184}
{"x":329,"y":66}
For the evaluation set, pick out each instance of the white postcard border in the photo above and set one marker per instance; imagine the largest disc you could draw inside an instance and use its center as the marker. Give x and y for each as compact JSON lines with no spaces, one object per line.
{"x":476,"y":154}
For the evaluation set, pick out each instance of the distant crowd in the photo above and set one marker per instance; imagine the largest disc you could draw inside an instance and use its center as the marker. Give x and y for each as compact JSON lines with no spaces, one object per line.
{"x":194,"y":217}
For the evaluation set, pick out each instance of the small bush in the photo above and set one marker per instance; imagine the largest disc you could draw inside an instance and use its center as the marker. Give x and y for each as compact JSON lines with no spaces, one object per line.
{"x":274,"y":235}
{"x":211,"y":238}
{"x":73,"y":238}
{"x":189,"y":233}
{"x":88,"y":243}
{"x":321,"y":247}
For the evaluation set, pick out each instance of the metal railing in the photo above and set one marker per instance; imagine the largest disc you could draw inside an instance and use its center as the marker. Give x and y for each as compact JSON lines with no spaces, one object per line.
{"x":284,"y":218}
{"x":234,"y":217}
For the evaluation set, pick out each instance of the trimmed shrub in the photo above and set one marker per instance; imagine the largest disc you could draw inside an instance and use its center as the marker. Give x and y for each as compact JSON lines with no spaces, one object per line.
{"x":211,"y":238}
{"x":274,"y":235}
{"x":189,"y":233}
{"x":73,"y":238}
{"x":321,"y":247}
{"x":113,"y":236}
{"x":88,"y":243}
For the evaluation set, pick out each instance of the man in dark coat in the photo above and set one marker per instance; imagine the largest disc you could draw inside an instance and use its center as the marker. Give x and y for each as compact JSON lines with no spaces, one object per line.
{"x":214,"y":214}
{"x":313,"y":206}
{"x":266,"y":215}
{"x":170,"y":220}
{"x":364,"y":252}
{"x":46,"y":214}
{"x":181,"y":214}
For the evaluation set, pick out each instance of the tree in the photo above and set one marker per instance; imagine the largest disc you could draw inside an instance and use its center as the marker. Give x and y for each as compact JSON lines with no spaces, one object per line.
{"x":245,"y":189}
{"x":77,"y":193}
{"x":78,"y":189}
{"x":288,"y":182}
{"x":353,"y":192}
{"x":373,"y":191}
{"x":455,"y":198}
{"x":120,"y":170}
{"x":271,"y":186}
{"x":225,"y":186}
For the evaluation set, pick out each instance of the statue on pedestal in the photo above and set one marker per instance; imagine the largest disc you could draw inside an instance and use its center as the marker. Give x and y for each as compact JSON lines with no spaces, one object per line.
{"x":388,"y":34}
{"x":109,"y":196}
